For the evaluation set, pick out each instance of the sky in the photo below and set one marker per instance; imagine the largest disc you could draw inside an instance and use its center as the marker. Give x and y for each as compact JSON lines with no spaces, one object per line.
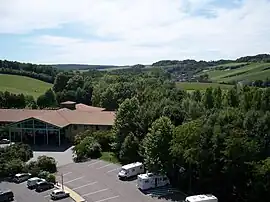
{"x":125,"y":32}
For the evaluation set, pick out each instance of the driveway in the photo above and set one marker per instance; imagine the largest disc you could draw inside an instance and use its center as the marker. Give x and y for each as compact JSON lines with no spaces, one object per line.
{"x":62,"y":155}
{"x":97,"y":181}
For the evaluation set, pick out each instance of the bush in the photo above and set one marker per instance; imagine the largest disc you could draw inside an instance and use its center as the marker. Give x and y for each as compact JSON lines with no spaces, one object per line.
{"x":32,"y":167}
{"x":46,"y":163}
{"x":43,"y":174}
{"x":14,"y":166}
{"x":51,"y":178}
{"x":104,"y":138}
{"x":87,"y":148}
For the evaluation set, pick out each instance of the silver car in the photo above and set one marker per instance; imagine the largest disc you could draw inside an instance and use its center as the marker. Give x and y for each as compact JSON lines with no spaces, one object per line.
{"x":59,"y":194}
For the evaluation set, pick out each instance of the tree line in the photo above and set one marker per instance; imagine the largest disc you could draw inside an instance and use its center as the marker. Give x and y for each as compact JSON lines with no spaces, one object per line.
{"x":214,"y":142}
{"x":41,"y":72}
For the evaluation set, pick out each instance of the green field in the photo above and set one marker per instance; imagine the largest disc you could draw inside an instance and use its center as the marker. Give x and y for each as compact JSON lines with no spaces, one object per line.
{"x":250,"y":72}
{"x":21,"y":84}
{"x":190,"y":86}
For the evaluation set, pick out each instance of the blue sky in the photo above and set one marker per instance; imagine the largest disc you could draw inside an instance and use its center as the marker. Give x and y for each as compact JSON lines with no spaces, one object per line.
{"x":123,"y":32}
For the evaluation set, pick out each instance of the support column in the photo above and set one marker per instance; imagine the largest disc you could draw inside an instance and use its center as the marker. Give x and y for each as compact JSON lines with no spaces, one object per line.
{"x":59,"y":138}
{"x":47,"y":138}
{"x":34,"y":132}
{"x":21,"y":132}
{"x":9,"y":133}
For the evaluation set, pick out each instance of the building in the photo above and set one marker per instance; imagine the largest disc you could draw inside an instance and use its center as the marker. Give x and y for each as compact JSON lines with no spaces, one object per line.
{"x":54,"y":126}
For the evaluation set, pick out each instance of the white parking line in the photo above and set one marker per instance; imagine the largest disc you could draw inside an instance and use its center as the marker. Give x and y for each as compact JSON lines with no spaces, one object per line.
{"x":73,"y":180}
{"x":105,"y":166}
{"x":93,"y":163}
{"x":47,"y":196}
{"x":67,"y":173}
{"x":112,"y":170}
{"x":92,"y":183}
{"x":95,"y":192}
{"x":106,"y":199}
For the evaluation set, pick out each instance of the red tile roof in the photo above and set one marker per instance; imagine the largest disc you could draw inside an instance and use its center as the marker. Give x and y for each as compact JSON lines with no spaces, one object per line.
{"x":85,"y":115}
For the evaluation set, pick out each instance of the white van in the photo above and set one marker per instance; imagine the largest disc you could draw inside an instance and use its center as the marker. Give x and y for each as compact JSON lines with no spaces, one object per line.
{"x":202,"y":198}
{"x":32,"y":182}
{"x":21,"y":177}
{"x":149,"y":180}
{"x":131,"y":170}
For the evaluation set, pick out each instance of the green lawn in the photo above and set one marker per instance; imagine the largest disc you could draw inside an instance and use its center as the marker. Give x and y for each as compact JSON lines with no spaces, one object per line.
{"x":21,"y":84}
{"x":110,"y":157}
{"x":190,"y":86}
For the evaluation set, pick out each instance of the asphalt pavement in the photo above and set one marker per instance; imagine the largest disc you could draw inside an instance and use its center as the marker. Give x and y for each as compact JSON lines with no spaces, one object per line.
{"x":23,"y":194}
{"x":97,"y":181}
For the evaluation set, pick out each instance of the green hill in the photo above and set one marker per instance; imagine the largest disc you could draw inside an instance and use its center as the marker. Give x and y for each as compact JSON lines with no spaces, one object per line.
{"x":233,"y":72}
{"x":190,"y":86}
{"x":21,"y":84}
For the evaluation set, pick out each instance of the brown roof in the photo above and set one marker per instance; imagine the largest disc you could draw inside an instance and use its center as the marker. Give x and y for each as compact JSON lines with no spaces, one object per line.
{"x":86,"y":108}
{"x":61,"y":117}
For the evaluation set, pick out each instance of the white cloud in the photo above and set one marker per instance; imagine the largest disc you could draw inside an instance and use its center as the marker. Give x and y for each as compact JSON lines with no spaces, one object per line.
{"x":147,"y":30}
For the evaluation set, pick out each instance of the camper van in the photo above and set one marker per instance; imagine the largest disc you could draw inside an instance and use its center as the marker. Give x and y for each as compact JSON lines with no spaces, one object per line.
{"x":150,"y":180}
{"x":202,"y":198}
{"x":131,"y":170}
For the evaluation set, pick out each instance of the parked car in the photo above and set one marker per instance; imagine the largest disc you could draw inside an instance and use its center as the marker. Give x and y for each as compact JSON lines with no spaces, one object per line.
{"x":131,"y":170}
{"x":59,"y":194}
{"x":4,"y":141}
{"x":6,"y":196}
{"x":32,"y":182}
{"x":44,"y":185}
{"x":21,"y":177}
{"x":202,"y":198}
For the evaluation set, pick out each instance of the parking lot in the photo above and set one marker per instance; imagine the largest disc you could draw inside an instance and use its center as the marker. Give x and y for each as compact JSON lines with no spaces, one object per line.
{"x":23,"y":194}
{"x":97,"y":181}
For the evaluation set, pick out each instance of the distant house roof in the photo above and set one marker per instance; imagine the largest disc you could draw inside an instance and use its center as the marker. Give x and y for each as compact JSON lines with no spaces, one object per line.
{"x":87,"y":108}
{"x":83,"y":114}
{"x":67,"y":103}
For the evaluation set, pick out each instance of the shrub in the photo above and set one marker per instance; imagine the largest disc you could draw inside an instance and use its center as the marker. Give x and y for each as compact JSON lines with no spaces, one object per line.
{"x":46,"y":163}
{"x":32,"y":167}
{"x":14,"y":166}
{"x":104,"y":138}
{"x":43,"y":174}
{"x":87,"y":148}
{"x":51,"y":178}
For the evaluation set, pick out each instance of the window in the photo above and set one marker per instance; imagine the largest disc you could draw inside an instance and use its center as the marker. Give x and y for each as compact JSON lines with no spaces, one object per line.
{"x":146,"y":181}
{"x":164,"y":178}
{"x":97,"y":128}
{"x":75,"y":127}
{"x":133,"y":170}
{"x":141,"y":167}
{"x":85,"y":127}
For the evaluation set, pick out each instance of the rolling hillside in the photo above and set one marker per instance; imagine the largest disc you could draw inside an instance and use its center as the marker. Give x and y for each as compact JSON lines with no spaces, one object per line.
{"x":21,"y":84}
{"x":233,"y":72}
{"x":190,"y":86}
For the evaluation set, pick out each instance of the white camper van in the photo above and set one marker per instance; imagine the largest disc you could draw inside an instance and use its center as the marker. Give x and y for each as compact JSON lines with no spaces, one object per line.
{"x":131,"y":170}
{"x":202,"y":198}
{"x":149,"y":180}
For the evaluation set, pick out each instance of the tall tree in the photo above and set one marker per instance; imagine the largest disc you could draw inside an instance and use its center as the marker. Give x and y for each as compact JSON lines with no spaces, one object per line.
{"x":156,"y":145}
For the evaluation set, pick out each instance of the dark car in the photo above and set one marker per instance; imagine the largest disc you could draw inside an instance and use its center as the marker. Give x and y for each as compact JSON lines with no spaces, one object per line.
{"x":6,"y":196}
{"x":44,"y":185}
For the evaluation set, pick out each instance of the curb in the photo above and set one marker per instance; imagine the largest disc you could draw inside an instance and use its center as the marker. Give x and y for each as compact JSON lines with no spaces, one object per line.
{"x":74,"y":195}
